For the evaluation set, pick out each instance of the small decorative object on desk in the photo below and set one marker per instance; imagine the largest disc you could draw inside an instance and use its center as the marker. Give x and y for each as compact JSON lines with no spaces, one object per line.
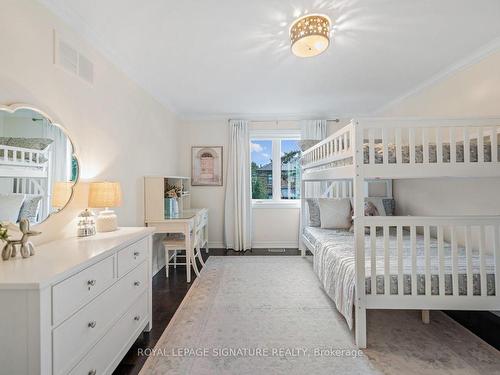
{"x":26,"y":247}
{"x":86,"y":223}
{"x":172,"y":193}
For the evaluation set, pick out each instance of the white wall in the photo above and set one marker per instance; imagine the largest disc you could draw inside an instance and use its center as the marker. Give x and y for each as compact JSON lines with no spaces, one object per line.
{"x":271,"y":227}
{"x":205,"y":133}
{"x":120,"y":132}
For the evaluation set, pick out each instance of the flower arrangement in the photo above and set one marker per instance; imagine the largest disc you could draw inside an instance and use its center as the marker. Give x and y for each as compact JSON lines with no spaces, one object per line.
{"x":172,"y":191}
{"x":4,"y":231}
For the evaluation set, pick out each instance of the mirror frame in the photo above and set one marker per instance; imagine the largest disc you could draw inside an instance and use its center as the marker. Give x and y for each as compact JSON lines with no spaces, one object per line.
{"x":12,"y":108}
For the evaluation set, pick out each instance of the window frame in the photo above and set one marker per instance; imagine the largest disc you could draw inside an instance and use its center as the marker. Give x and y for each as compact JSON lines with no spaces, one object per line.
{"x":275,"y":136}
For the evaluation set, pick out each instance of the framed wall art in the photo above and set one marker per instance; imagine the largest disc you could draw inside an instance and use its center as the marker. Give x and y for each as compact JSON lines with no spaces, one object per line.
{"x":206,"y":165}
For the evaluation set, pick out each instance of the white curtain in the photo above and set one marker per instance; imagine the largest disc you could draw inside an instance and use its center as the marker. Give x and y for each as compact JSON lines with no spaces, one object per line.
{"x":60,"y":153}
{"x":237,"y":209}
{"x":313,"y":130}
{"x":59,"y":161}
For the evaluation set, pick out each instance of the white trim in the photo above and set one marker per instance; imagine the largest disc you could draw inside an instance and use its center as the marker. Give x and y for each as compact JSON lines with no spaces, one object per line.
{"x":458,"y":66}
{"x":276,"y":204}
{"x":275,"y":244}
{"x":275,"y":134}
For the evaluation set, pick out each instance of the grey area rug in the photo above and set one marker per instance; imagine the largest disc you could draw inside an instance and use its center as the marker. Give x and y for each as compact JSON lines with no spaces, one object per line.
{"x":269,"y":315}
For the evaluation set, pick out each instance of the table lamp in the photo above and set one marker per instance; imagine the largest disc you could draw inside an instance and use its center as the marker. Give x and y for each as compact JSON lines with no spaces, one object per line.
{"x":105,"y":195}
{"x":61,"y":193}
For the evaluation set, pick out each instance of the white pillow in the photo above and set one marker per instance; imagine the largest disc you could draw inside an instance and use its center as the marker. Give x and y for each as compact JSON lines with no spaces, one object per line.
{"x":10,"y":205}
{"x":335,"y":213}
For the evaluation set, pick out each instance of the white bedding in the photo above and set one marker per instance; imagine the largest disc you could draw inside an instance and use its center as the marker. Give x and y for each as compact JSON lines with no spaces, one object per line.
{"x":335,"y":267}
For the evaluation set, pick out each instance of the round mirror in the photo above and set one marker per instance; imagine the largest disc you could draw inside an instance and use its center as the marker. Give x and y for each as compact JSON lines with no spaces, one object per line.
{"x":38,"y":167}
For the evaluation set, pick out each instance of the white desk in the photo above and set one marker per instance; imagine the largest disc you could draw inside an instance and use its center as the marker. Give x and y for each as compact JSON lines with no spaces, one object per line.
{"x":184,"y":223}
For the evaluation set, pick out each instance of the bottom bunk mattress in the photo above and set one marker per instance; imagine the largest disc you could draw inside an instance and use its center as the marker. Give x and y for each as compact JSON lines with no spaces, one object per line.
{"x":334,"y":265}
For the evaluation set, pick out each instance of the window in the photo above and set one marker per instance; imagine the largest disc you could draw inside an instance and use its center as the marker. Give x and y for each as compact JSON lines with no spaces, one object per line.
{"x":262,"y":169}
{"x":290,"y":169}
{"x":275,"y":166}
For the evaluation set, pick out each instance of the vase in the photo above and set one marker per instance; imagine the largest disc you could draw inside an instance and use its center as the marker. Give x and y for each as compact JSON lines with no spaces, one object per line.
{"x":171,"y":207}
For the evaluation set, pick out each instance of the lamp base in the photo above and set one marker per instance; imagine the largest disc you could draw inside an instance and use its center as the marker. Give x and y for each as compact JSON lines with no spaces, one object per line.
{"x":106,"y":221}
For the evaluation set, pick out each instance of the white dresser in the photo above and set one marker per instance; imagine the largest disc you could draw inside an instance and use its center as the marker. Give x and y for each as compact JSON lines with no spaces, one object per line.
{"x":77,"y":306}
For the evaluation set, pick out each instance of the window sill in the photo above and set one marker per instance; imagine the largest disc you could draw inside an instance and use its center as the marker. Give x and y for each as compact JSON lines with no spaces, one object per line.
{"x":276,"y":205}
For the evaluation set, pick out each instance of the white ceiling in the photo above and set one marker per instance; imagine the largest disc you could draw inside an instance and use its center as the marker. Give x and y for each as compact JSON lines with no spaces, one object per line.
{"x":230,"y":57}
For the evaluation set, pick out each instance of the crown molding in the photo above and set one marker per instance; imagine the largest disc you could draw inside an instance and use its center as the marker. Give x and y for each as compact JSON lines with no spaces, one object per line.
{"x":264,"y":117}
{"x":480,"y":54}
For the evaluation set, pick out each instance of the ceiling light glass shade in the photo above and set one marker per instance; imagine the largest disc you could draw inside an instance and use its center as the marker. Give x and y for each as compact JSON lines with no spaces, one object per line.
{"x":310,"y":35}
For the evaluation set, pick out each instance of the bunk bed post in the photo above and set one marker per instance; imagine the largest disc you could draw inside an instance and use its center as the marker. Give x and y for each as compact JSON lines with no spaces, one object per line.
{"x":359,"y":235}
{"x":302,"y":217}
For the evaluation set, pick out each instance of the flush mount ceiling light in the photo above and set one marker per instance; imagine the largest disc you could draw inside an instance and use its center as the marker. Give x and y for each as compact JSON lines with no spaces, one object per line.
{"x":310,"y":35}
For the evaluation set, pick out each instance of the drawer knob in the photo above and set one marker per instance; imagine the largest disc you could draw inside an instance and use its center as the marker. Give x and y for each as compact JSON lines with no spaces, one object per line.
{"x":93,"y":372}
{"x":136,"y":253}
{"x":137,"y":283}
{"x":137,"y":318}
{"x":92,"y":324}
{"x":91,"y":282}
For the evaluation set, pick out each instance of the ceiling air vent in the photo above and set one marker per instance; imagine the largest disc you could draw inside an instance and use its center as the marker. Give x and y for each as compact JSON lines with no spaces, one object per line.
{"x":72,"y":61}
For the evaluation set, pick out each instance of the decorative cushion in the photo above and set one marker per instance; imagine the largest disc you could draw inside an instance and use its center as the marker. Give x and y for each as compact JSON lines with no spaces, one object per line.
{"x":370,"y":209}
{"x":385,"y":206}
{"x":314,"y":214}
{"x":389,"y":206}
{"x":335,"y":213}
{"x":10,"y":206}
{"x":29,"y":208}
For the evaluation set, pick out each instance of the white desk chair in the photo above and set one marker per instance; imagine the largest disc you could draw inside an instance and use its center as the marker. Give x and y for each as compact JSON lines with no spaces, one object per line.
{"x":176,"y":247}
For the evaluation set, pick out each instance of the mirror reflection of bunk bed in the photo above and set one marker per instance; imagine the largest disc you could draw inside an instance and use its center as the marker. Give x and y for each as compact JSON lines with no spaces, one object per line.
{"x":25,"y":172}
{"x":403,"y":262}
{"x":37,"y":165}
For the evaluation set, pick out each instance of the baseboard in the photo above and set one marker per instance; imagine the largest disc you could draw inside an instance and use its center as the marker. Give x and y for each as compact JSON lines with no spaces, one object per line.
{"x":216,"y":245}
{"x":275,"y":244}
{"x":261,"y":244}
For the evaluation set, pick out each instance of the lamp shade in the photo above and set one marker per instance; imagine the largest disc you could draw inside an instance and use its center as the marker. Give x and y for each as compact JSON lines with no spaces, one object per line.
{"x":61,"y":193}
{"x":310,"y":35}
{"x":105,"y":194}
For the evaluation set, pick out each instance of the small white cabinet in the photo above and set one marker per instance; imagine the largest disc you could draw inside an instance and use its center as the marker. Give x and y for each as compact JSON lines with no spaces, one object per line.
{"x":76,"y":306}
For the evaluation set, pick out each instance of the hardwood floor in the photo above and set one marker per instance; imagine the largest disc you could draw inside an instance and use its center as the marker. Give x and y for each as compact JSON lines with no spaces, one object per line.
{"x":169,"y":293}
{"x":167,"y":296}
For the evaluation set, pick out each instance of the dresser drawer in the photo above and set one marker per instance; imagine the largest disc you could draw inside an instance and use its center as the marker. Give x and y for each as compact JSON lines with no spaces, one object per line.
{"x":105,"y":352}
{"x":76,"y":335}
{"x":74,"y":292}
{"x":131,"y":256}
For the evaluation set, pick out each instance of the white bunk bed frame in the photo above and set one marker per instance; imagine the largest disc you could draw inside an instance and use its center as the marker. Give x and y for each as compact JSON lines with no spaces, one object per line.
{"x":349,"y":143}
{"x":29,"y":170}
{"x":23,"y":162}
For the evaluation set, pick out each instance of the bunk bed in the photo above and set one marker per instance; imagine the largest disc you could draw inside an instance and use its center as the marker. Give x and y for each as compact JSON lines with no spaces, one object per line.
{"x":404,"y":262}
{"x":25,"y":168}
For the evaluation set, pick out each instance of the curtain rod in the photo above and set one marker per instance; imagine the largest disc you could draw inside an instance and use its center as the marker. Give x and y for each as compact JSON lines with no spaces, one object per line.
{"x":328,"y":120}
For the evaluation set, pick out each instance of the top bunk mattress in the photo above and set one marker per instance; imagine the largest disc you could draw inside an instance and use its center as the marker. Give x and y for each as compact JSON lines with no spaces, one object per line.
{"x":378,"y":153}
